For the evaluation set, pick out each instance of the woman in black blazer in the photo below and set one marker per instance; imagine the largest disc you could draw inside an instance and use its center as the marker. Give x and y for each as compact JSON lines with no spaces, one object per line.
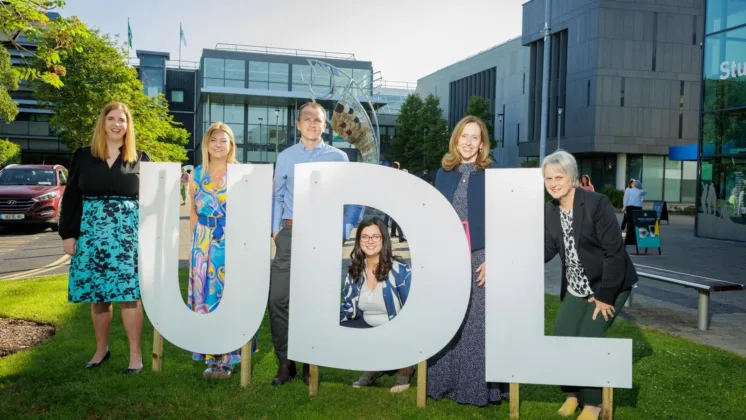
{"x":457,"y":372}
{"x":597,"y":273}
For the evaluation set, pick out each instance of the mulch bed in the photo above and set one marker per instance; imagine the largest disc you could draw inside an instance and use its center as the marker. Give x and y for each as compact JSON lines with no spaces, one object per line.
{"x":19,"y":334}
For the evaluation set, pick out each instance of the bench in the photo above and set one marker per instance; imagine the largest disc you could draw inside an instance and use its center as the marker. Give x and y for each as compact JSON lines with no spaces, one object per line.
{"x":703,"y":285}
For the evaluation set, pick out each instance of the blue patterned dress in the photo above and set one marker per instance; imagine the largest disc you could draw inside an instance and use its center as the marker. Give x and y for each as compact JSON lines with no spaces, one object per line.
{"x":100,"y":209}
{"x":207,"y":263}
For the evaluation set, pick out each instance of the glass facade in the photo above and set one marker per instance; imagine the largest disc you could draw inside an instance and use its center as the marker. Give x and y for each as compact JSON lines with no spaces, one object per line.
{"x":720,"y":193}
{"x":255,"y":128}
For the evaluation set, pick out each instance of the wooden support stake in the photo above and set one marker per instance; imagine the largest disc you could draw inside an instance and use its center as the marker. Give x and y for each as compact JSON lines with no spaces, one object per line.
{"x":607,"y":405}
{"x":157,"y":351}
{"x":515,"y":400}
{"x":422,"y":384}
{"x":313,"y":381}
{"x":246,"y":363}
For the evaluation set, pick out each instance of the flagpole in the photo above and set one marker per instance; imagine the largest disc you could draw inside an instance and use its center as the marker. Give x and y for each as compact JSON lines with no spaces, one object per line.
{"x":180,"y":31}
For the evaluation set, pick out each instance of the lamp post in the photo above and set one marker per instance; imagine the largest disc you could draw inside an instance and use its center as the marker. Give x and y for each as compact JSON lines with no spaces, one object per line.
{"x":260,"y":134}
{"x":277,"y":130}
{"x":559,"y":126}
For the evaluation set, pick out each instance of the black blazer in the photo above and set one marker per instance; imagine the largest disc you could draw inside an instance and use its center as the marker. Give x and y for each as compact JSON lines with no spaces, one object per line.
{"x":598,"y":239}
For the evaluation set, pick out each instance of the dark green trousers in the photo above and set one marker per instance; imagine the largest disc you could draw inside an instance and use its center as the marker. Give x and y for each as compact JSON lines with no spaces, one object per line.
{"x":575,"y":319}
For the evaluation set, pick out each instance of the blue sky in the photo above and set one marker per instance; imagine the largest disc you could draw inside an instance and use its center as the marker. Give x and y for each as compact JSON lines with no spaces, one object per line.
{"x":405,"y":39}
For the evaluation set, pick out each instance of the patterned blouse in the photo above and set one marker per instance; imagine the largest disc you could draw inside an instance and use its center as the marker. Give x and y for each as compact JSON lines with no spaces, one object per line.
{"x":577,"y":281}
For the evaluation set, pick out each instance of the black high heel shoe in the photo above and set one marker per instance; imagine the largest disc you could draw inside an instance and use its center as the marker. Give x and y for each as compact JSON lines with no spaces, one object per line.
{"x":95,"y":365}
{"x":129,"y":371}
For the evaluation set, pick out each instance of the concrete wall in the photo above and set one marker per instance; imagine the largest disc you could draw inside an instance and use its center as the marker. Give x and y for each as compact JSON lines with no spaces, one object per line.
{"x":511,"y":60}
{"x":650,"y":46}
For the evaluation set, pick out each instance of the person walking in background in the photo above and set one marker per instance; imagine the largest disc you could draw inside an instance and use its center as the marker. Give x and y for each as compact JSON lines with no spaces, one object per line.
{"x":585,"y":183}
{"x":633,"y":197}
{"x":207,"y":217}
{"x":597,"y":273}
{"x":99,"y":227}
{"x":375,"y":290}
{"x":458,"y":371}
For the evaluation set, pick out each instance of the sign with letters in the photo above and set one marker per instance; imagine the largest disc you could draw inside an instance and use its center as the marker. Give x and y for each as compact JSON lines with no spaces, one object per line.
{"x":517,"y":350}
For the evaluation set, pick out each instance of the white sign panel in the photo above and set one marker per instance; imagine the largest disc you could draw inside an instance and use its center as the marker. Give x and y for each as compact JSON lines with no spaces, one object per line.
{"x":517,"y":349}
{"x":441,"y":272}
{"x":247,"y":256}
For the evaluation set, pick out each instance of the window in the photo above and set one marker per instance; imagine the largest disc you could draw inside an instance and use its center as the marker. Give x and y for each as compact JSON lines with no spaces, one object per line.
{"x":681,"y":109}
{"x":655,"y":38}
{"x":721,"y":204}
{"x":652,"y":177}
{"x":621,"y":100}
{"x":224,"y":72}
{"x":177,"y":96}
{"x":153,"y":81}
{"x":672,"y":185}
{"x":303,"y":75}
{"x":723,"y":14}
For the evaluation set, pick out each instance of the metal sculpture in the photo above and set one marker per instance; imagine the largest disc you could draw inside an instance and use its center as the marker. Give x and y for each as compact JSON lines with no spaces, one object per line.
{"x":349,"y":118}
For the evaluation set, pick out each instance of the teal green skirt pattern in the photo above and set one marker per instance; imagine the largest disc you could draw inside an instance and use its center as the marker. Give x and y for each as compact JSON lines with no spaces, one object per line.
{"x":104,"y":267}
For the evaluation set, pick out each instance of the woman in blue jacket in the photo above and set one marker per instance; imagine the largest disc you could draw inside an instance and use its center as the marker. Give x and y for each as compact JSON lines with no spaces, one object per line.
{"x":458,"y":371}
{"x":375,"y":289}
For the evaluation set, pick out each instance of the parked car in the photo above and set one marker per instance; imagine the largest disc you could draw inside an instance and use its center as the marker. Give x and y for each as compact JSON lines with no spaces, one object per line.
{"x":31,"y":194}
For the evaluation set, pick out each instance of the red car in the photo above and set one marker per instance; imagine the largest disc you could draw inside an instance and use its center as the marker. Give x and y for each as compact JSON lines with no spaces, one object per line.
{"x":31,"y":194}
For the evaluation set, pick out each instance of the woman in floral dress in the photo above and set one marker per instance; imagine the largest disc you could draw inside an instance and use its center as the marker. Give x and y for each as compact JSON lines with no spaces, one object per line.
{"x":207,"y":222}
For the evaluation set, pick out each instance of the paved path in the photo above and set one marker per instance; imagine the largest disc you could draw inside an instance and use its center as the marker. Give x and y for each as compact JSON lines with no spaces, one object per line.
{"x":26,"y":253}
{"x":673,"y":308}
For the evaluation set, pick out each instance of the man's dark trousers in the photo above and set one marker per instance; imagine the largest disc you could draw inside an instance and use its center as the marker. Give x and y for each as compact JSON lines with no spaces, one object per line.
{"x":279,"y":293}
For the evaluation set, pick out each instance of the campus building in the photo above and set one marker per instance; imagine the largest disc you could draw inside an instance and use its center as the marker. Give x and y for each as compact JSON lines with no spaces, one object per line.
{"x":624,"y":88}
{"x":721,"y":204}
{"x":497,"y":74}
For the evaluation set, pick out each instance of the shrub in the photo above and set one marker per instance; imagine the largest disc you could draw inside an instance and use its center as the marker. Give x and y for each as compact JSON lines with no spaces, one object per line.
{"x":9,"y":153}
{"x":615,"y":196}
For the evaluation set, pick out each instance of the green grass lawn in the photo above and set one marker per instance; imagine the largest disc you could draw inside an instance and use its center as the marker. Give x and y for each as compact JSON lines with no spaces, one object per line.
{"x":673,"y":378}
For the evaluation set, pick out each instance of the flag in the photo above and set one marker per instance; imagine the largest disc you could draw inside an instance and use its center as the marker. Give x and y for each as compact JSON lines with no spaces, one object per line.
{"x":182,"y":38}
{"x":129,"y":33}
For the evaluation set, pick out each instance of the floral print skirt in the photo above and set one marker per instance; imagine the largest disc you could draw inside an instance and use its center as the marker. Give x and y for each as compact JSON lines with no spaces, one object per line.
{"x":104,"y":267}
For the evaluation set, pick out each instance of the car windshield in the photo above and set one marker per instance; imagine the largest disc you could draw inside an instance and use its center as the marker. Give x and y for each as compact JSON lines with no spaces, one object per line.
{"x":27,"y":177}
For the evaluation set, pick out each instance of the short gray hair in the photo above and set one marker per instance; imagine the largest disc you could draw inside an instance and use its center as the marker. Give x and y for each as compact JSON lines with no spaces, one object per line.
{"x":637,"y":184}
{"x":563,"y":162}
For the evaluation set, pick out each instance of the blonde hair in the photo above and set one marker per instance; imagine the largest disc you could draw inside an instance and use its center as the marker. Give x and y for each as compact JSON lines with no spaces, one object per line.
{"x":98,"y":142}
{"x":231,"y":158}
{"x":453,"y":158}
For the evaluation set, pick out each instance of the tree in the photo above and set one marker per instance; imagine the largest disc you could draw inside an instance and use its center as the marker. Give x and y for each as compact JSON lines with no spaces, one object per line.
{"x":9,"y":153}
{"x":98,"y":74}
{"x":30,"y":19}
{"x":436,"y":133}
{"x":407,"y":129}
{"x":480,"y":108}
{"x":422,"y":135}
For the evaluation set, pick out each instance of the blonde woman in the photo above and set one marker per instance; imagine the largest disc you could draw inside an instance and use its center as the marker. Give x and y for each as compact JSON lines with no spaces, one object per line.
{"x":458,"y":371}
{"x":99,"y":227}
{"x":208,"y":184}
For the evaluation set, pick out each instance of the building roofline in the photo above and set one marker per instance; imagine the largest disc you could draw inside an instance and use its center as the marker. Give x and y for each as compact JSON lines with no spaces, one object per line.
{"x":473,"y":55}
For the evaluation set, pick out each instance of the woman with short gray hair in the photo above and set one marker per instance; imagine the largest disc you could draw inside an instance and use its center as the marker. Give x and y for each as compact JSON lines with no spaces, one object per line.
{"x":597,"y":273}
